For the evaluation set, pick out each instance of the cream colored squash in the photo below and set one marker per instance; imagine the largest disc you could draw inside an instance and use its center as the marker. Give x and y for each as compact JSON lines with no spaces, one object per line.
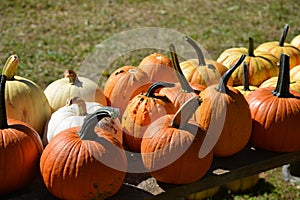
{"x":73,"y":114}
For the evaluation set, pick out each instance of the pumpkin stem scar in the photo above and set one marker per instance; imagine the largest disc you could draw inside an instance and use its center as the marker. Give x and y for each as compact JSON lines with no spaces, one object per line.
{"x":222,"y":86}
{"x":87,"y":130}
{"x":283,"y":35}
{"x":3,"y":116}
{"x":198,"y":50}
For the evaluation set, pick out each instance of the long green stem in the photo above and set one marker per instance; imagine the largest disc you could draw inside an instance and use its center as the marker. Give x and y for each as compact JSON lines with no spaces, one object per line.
{"x":183,"y":115}
{"x":283,"y":35}
{"x":185,"y":86}
{"x":282,"y":89}
{"x":87,"y":129}
{"x":157,"y":85}
{"x":222,"y":86}
{"x":3,"y":116}
{"x":198,"y":50}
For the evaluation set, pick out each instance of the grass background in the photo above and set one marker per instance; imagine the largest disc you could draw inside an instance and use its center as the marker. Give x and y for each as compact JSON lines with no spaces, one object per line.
{"x":51,"y":36}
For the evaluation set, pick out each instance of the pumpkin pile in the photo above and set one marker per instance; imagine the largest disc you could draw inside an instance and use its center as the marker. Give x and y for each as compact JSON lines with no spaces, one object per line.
{"x":178,"y":116}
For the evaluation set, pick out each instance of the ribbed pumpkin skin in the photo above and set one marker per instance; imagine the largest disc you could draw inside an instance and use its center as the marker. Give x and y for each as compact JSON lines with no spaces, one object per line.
{"x":123,"y":84}
{"x":276,"y":50}
{"x":205,"y":75}
{"x":271,"y":82}
{"x":20,"y":150}
{"x":139,"y":114}
{"x":158,"y":67}
{"x":243,"y":184}
{"x":275,"y":121}
{"x":71,"y":170}
{"x":171,"y":155}
{"x":295,"y":73}
{"x":261,"y":66}
{"x":26,"y":101}
{"x":296,"y":41}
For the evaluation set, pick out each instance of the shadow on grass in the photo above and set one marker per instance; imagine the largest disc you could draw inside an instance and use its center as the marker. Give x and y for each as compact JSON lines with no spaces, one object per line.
{"x":262,"y":188}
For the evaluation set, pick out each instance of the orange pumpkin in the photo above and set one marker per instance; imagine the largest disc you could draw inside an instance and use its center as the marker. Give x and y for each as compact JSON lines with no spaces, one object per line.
{"x":295,"y":73}
{"x":261,"y":64}
{"x":275,"y":114}
{"x":84,"y":162}
{"x":202,"y":71}
{"x":141,"y":111}
{"x":171,"y":144}
{"x":159,"y":68}
{"x":225,"y":114}
{"x":20,"y":149}
{"x":277,"y":48}
{"x":123,"y":84}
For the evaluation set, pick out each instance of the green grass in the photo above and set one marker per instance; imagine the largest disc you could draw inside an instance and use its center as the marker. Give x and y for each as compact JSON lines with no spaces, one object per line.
{"x":51,"y":36}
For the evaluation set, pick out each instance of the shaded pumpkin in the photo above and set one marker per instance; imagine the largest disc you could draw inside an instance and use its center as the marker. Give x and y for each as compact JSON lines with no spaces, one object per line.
{"x":202,"y":71}
{"x":225,"y":115}
{"x":243,"y":184}
{"x":204,"y":194}
{"x":20,"y":149}
{"x":25,"y":100}
{"x":275,"y":114}
{"x":73,"y":114}
{"x":277,"y":48}
{"x":158,"y":67}
{"x":123,"y":84}
{"x":261,"y":64}
{"x":171,"y":144}
{"x":59,"y":91}
{"x":141,"y":111}
{"x":84,"y":162}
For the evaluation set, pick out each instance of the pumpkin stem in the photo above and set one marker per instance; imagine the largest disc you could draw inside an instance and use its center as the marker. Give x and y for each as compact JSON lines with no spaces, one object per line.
{"x":3,"y":116}
{"x":246,"y":77}
{"x":198,"y":50}
{"x":183,"y":115}
{"x":10,"y":67}
{"x":222,"y":87}
{"x":87,"y":130}
{"x":283,"y":35}
{"x":185,"y":86}
{"x":157,"y":85}
{"x":71,"y":75}
{"x":251,"y":47}
{"x":282,"y":89}
{"x":80,"y":103}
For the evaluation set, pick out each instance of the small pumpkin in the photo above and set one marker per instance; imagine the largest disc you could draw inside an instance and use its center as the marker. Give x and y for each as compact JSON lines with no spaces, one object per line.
{"x":275,"y":114}
{"x":73,"y":114}
{"x":277,"y":48}
{"x":202,"y":71}
{"x":25,"y":100}
{"x":20,"y":149}
{"x":204,"y":194}
{"x":246,"y":88}
{"x":84,"y":162}
{"x":123,"y":84}
{"x":159,"y":68}
{"x":261,"y":64}
{"x":226,"y":116}
{"x":141,"y":111}
{"x":59,"y":91}
{"x":171,"y":144}
{"x":243,"y":184}
{"x":182,"y":91}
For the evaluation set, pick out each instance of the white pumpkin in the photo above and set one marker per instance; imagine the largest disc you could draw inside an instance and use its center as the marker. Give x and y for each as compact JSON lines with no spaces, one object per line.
{"x":73,"y":114}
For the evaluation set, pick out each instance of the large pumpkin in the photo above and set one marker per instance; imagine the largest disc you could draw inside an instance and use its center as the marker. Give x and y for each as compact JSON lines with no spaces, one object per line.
{"x":25,"y":100}
{"x":275,"y":114}
{"x":277,"y":48}
{"x":141,"y":111}
{"x":201,"y":71}
{"x":59,"y":91}
{"x":225,"y":114}
{"x":159,"y":68}
{"x":171,"y":144}
{"x":20,"y":149}
{"x":73,"y":114}
{"x":84,"y":162}
{"x":261,"y":64}
{"x":123,"y":84}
